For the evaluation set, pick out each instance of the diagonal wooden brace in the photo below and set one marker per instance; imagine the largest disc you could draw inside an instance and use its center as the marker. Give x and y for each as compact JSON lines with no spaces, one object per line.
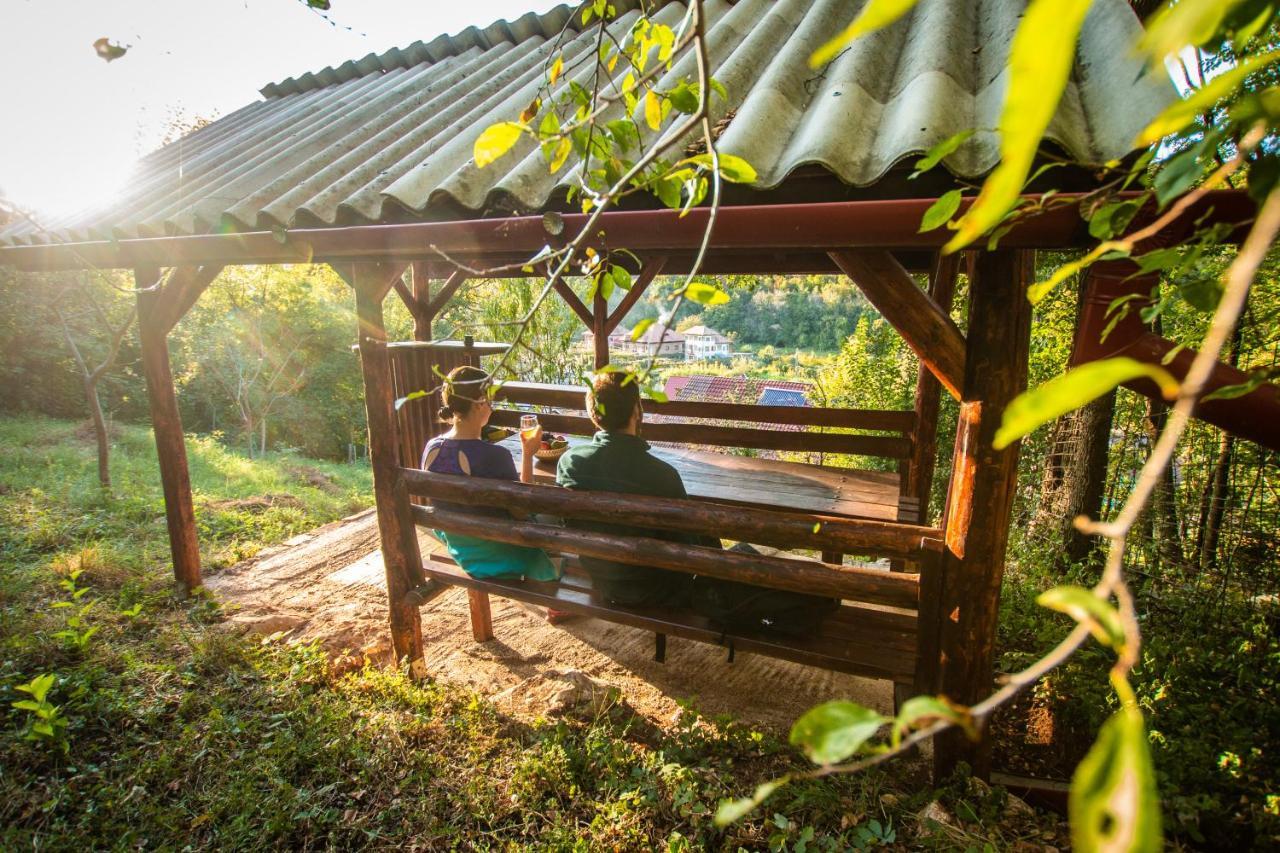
{"x":927,"y":329}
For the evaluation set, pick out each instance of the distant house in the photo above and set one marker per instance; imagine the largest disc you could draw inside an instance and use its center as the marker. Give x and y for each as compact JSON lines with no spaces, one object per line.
{"x":705,"y":342}
{"x":672,"y":343}
{"x":619,"y":340}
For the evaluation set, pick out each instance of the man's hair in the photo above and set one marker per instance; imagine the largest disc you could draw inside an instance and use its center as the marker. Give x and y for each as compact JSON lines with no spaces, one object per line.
{"x":612,"y":400}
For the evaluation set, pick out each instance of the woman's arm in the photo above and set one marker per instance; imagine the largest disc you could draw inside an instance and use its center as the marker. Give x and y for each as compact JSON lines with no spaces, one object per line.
{"x":530,"y":446}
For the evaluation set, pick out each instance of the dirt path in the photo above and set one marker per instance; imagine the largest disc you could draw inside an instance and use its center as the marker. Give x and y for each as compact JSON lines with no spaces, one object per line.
{"x":328,"y":585}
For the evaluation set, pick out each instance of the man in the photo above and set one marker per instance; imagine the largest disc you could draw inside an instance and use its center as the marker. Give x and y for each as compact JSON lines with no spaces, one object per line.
{"x":618,"y":460}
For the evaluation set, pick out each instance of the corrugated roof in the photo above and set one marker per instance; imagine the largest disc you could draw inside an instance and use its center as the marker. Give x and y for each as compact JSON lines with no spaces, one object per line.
{"x":389,"y":137}
{"x":782,"y":397}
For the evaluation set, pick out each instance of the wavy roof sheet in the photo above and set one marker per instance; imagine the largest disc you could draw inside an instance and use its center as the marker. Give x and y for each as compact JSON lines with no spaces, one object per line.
{"x":389,"y":137}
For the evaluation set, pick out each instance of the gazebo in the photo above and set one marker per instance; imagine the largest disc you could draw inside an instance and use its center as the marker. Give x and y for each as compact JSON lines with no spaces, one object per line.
{"x":367,"y":167}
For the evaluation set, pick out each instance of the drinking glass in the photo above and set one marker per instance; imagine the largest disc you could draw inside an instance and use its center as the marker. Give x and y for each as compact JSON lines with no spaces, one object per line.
{"x":528,"y":425}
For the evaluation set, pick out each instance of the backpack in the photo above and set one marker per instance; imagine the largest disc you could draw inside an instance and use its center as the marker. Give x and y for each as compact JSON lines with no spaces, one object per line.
{"x":733,"y":606}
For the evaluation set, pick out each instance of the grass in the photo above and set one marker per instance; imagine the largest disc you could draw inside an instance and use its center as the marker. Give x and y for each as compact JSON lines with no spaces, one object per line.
{"x":173,"y":733}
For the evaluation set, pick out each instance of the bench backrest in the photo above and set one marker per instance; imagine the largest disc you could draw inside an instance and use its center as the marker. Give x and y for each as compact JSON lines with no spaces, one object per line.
{"x":720,"y":424}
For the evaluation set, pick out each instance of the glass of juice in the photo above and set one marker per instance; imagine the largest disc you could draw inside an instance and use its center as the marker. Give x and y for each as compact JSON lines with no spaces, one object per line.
{"x":528,"y":425}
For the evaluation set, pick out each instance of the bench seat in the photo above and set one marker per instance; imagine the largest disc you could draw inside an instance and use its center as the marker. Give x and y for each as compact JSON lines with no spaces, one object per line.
{"x":859,"y":639}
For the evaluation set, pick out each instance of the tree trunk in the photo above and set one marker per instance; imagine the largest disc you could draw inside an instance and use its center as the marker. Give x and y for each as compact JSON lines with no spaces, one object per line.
{"x":1164,"y":506}
{"x":1213,"y":501}
{"x":1074,"y":478}
{"x":99,"y":431}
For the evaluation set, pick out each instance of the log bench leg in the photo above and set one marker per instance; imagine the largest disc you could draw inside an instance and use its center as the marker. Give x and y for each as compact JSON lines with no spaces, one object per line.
{"x":660,"y":647}
{"x":481,"y":618}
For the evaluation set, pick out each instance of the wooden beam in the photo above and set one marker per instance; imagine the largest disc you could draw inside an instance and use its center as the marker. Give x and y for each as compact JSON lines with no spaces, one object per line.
{"x":600,"y":329}
{"x":571,"y":299}
{"x":980,"y":499}
{"x":450,"y":287}
{"x":400,"y":554}
{"x":651,"y":269}
{"x":926,"y":328}
{"x":166,"y":423}
{"x":924,"y":455}
{"x":573,"y":397}
{"x":374,"y":278}
{"x":884,"y":446}
{"x":180,"y":292}
{"x":421,"y":297}
{"x":778,"y":528}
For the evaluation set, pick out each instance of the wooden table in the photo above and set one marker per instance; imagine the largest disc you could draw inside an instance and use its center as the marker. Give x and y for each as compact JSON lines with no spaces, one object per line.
{"x":768,"y":483}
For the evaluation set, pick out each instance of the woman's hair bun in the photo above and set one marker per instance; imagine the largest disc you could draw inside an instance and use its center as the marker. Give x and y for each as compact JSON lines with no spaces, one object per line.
{"x":445,"y":412}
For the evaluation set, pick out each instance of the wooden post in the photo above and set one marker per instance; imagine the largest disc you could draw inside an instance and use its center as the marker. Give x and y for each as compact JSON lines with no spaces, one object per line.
{"x":481,"y":617}
{"x":166,"y":424}
{"x":983,"y":482}
{"x":400,"y":554}
{"x":600,"y":329}
{"x":422,"y":297}
{"x":924,"y":456}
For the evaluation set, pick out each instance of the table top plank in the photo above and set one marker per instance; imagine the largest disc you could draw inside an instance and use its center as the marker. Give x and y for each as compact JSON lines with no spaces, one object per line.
{"x":765,"y":482}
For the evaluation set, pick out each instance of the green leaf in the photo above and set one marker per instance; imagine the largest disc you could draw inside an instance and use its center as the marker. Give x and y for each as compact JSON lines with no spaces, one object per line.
{"x":624,"y":133}
{"x":39,"y":686}
{"x":833,"y":731}
{"x":1231,"y":392}
{"x":496,"y":140}
{"x":43,"y":728}
{"x":730,"y":811}
{"x":1182,"y":113}
{"x":641,"y":328}
{"x":28,"y":705}
{"x":657,"y":395}
{"x":684,"y":97}
{"x":718,"y":88}
{"x":1188,"y":22}
{"x":1086,"y":608}
{"x":621,"y":278}
{"x":1110,"y":219}
{"x":108,"y":50}
{"x":705,"y":293}
{"x":1040,"y":61}
{"x":940,"y":212}
{"x":875,"y":15}
{"x":412,"y":395}
{"x":1177,"y":175}
{"x":935,"y":154}
{"x":732,"y":167}
{"x":925,"y":709}
{"x":563,"y":148}
{"x":1113,"y":804}
{"x":653,"y":109}
{"x":1072,"y":390}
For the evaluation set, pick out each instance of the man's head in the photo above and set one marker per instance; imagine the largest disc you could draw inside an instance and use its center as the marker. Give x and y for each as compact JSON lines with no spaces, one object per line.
{"x":614,"y":403}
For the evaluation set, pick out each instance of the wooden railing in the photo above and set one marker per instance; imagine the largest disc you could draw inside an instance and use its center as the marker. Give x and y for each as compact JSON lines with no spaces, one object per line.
{"x":566,"y":397}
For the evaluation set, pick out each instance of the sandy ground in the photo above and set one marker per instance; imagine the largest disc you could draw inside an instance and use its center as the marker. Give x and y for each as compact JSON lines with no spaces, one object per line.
{"x":328,"y":585}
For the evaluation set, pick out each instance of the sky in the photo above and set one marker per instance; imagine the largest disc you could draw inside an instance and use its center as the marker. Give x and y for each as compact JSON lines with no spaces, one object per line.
{"x":71,"y":124}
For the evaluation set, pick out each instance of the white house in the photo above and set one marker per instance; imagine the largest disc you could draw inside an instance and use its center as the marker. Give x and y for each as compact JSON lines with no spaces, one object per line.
{"x":705,"y":342}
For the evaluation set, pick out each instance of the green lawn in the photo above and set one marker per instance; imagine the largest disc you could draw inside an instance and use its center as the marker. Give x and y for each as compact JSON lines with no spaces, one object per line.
{"x":169,"y":732}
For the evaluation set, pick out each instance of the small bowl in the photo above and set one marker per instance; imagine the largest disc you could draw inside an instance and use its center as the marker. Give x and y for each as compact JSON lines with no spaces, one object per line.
{"x":551,"y":453}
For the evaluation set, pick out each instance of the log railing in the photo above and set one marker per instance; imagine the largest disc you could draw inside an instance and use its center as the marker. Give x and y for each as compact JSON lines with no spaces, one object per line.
{"x":846,"y":582}
{"x":778,"y":528}
{"x":885,"y":446}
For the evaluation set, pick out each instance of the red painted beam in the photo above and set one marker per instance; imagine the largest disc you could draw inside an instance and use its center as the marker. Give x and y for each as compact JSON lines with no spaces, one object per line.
{"x":1255,"y":416}
{"x":798,"y":227}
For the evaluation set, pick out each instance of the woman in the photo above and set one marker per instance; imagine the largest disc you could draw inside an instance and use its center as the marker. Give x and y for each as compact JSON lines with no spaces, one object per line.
{"x":462,"y":451}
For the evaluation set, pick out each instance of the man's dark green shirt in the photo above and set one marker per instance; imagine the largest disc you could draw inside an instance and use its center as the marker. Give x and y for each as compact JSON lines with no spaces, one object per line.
{"x":618,"y":462}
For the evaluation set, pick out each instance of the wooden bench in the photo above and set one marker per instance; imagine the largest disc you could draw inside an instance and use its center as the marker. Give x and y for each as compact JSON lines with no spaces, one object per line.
{"x":874,"y":633}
